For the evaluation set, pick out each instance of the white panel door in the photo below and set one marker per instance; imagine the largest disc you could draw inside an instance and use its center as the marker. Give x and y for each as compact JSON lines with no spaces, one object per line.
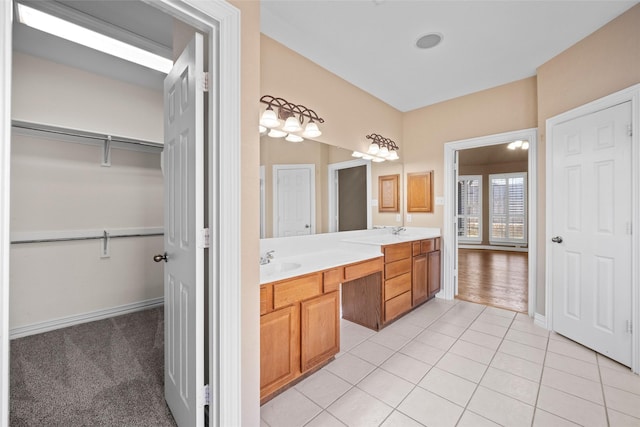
{"x":183,"y":216}
{"x":591,"y":216}
{"x":294,"y":204}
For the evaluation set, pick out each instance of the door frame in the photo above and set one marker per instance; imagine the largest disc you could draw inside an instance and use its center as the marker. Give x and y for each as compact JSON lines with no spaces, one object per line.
{"x":631,"y":94}
{"x":312,"y":188}
{"x":221,"y":22}
{"x":332,"y":194}
{"x":449,"y":234}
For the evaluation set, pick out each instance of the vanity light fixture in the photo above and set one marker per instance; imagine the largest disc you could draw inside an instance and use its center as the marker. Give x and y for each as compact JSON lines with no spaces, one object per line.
{"x":284,"y":119}
{"x":379,"y":150}
{"x":523,"y":145}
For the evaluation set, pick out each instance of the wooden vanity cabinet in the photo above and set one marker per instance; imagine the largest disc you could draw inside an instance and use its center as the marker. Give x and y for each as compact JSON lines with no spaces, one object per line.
{"x":426,"y":270}
{"x":397,"y":280}
{"x":320,"y":329}
{"x":279,"y":348}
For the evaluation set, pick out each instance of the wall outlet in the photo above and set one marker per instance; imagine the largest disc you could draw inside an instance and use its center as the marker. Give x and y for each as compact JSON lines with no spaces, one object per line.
{"x":440,"y":200}
{"x":408,"y":217}
{"x":374,"y":202}
{"x":398,"y":218}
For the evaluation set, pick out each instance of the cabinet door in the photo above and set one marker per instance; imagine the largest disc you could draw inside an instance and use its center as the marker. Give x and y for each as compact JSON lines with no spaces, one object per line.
{"x":419,"y":283}
{"x":279,"y":348}
{"x":320,"y":324}
{"x":434,"y":272}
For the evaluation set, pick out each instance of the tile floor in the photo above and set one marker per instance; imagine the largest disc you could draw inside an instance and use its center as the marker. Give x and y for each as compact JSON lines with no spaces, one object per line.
{"x":455,"y":363}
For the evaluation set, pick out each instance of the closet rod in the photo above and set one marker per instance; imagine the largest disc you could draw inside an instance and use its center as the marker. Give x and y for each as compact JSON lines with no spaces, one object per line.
{"x":70,"y":239}
{"x":27,"y":126}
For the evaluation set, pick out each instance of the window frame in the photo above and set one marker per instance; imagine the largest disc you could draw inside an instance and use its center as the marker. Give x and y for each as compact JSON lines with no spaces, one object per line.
{"x":467,"y":239}
{"x":508,"y":240}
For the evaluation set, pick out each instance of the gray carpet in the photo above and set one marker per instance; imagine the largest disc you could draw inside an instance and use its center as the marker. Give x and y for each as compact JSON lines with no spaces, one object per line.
{"x":104,"y":373}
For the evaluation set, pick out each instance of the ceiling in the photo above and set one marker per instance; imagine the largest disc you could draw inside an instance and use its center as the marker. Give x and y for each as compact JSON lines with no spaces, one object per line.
{"x":492,"y":154}
{"x":371,"y":43}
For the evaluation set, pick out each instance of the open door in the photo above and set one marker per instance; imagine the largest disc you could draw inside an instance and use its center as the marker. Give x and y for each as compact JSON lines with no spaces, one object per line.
{"x":184,"y":249}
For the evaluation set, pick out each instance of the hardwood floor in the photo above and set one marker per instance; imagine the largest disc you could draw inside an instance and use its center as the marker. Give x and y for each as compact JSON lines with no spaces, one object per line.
{"x":495,"y":278}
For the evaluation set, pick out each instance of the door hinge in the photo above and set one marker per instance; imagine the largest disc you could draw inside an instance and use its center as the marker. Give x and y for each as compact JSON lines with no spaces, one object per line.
{"x":629,"y":327}
{"x":206,"y":395}
{"x":204,"y":238}
{"x":205,"y":81}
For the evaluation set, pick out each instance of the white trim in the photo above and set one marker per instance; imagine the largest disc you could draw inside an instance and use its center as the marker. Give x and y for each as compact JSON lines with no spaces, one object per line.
{"x":312,"y":192}
{"x":540,"y":320}
{"x":631,"y":94}
{"x":6,"y":47}
{"x":495,"y":248}
{"x":65,"y":322}
{"x":449,"y":230}
{"x":263,"y":203}
{"x":333,"y":169}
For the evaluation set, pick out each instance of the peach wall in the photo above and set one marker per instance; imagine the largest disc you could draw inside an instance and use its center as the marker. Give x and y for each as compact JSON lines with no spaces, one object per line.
{"x":349,"y":113}
{"x":505,"y":108}
{"x":250,"y":216}
{"x":602,"y":63}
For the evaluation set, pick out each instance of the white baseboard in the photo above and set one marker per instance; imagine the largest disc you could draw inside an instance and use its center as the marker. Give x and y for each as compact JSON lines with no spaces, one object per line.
{"x":540,"y":320}
{"x":495,"y":248}
{"x":64,"y":322}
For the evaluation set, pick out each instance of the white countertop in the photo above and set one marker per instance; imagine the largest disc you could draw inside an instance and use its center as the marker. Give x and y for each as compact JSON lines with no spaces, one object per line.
{"x":295,"y":256}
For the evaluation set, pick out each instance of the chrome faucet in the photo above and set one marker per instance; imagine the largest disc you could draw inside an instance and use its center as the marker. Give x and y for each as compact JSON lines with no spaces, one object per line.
{"x":396,"y":230}
{"x":266,"y":258}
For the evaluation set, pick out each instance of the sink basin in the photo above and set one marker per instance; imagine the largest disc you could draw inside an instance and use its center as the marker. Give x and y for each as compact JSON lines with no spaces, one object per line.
{"x":385,"y":239}
{"x":278,"y":267}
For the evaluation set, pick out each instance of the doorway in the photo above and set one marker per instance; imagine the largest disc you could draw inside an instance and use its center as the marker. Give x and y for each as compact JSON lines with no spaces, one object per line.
{"x":452,"y":225}
{"x":220,"y":22}
{"x":355,"y":193}
{"x":294,"y":201}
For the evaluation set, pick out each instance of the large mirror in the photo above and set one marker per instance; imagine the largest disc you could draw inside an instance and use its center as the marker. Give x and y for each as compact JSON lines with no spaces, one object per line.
{"x":310,"y":187}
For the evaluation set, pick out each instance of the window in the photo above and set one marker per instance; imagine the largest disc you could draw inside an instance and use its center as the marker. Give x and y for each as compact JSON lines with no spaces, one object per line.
{"x":470,"y":208}
{"x":508,"y":208}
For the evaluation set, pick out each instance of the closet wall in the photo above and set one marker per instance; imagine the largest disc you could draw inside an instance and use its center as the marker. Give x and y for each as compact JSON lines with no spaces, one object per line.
{"x":61,"y":186}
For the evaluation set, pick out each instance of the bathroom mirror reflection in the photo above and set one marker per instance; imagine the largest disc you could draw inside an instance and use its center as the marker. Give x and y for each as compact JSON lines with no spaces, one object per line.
{"x":311,"y":187}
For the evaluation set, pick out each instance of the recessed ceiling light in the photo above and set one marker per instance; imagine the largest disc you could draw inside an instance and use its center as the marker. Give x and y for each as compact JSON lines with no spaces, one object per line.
{"x":429,"y":40}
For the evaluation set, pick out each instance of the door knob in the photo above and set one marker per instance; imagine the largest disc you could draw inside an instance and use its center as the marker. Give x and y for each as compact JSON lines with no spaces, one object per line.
{"x":307,"y":226}
{"x":158,"y":258}
{"x":557,"y":239}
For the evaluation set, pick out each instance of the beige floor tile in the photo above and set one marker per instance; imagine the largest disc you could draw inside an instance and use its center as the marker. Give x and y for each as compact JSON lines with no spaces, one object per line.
{"x":454,"y":319}
{"x":480,"y":338}
{"x":622,"y":401}
{"x":404,"y":329}
{"x":529,"y":327}
{"x":390,"y":340}
{"x":618,"y":419}
{"x":289,"y":409}
{"x":500,"y":312}
{"x":357,"y":408}
{"x":522,"y":351}
{"x":372,"y":352}
{"x":451,"y":387}
{"x":512,"y":385}
{"x":462,"y":367}
{"x":436,"y":339}
{"x":350,"y":368}
{"x":492,"y":319}
{"x":488,"y":328}
{"x":406,"y":367}
{"x":398,"y":419}
{"x":573,"y":350}
{"x":445,"y":328}
{"x":570,"y":407}
{"x":573,"y":366}
{"x":385,"y":386}
{"x":545,"y":419}
{"x":323,"y":387}
{"x":573,"y":384}
{"x":611,"y":364}
{"x":325,"y":419}
{"x":501,"y":409}
{"x":526,"y":338}
{"x":471,"y":419}
{"x":624,"y":380}
{"x":472,"y":351}
{"x":430,"y":409}
{"x":517,"y":366}
{"x":423,"y":352}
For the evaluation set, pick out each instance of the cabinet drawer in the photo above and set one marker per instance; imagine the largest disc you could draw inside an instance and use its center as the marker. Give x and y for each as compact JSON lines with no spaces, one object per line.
{"x":416,"y":248}
{"x":397,"y":306}
{"x":266,"y":299}
{"x":397,"y":286}
{"x":290,"y":291}
{"x":397,"y":268}
{"x":332,"y":279}
{"x":362,"y":269}
{"x":428,"y":246}
{"x":397,"y":251}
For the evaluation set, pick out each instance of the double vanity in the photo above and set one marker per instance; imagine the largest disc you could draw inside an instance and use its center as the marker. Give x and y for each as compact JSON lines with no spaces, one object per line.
{"x":383,"y":276}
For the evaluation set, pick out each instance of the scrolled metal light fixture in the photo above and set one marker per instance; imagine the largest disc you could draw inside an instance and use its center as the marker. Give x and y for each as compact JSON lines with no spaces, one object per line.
{"x":283,"y":119}
{"x":379,"y":150}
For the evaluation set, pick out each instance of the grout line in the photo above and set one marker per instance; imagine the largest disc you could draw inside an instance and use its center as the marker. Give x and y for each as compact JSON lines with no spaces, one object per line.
{"x":604,"y":397}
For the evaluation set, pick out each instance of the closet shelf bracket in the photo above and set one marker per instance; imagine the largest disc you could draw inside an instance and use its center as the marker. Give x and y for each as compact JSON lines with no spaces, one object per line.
{"x":106,"y":152}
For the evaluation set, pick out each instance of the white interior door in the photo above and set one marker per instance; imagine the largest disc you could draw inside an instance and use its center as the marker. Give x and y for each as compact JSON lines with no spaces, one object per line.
{"x":294,"y":204}
{"x":184,"y":215}
{"x":591,"y":223}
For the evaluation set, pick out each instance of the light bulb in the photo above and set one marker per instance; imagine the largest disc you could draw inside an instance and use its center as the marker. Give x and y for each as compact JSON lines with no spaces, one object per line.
{"x":525,"y":145}
{"x":517,"y":144}
{"x":373,"y":148}
{"x":269,"y":118}
{"x":393,"y":155}
{"x":311,"y":130}
{"x":377,"y":160}
{"x":357,"y":154}
{"x":262,"y":129}
{"x":384,"y":152}
{"x":275,"y":133}
{"x":367,"y":157}
{"x":291,"y":125}
{"x":294,"y":138}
